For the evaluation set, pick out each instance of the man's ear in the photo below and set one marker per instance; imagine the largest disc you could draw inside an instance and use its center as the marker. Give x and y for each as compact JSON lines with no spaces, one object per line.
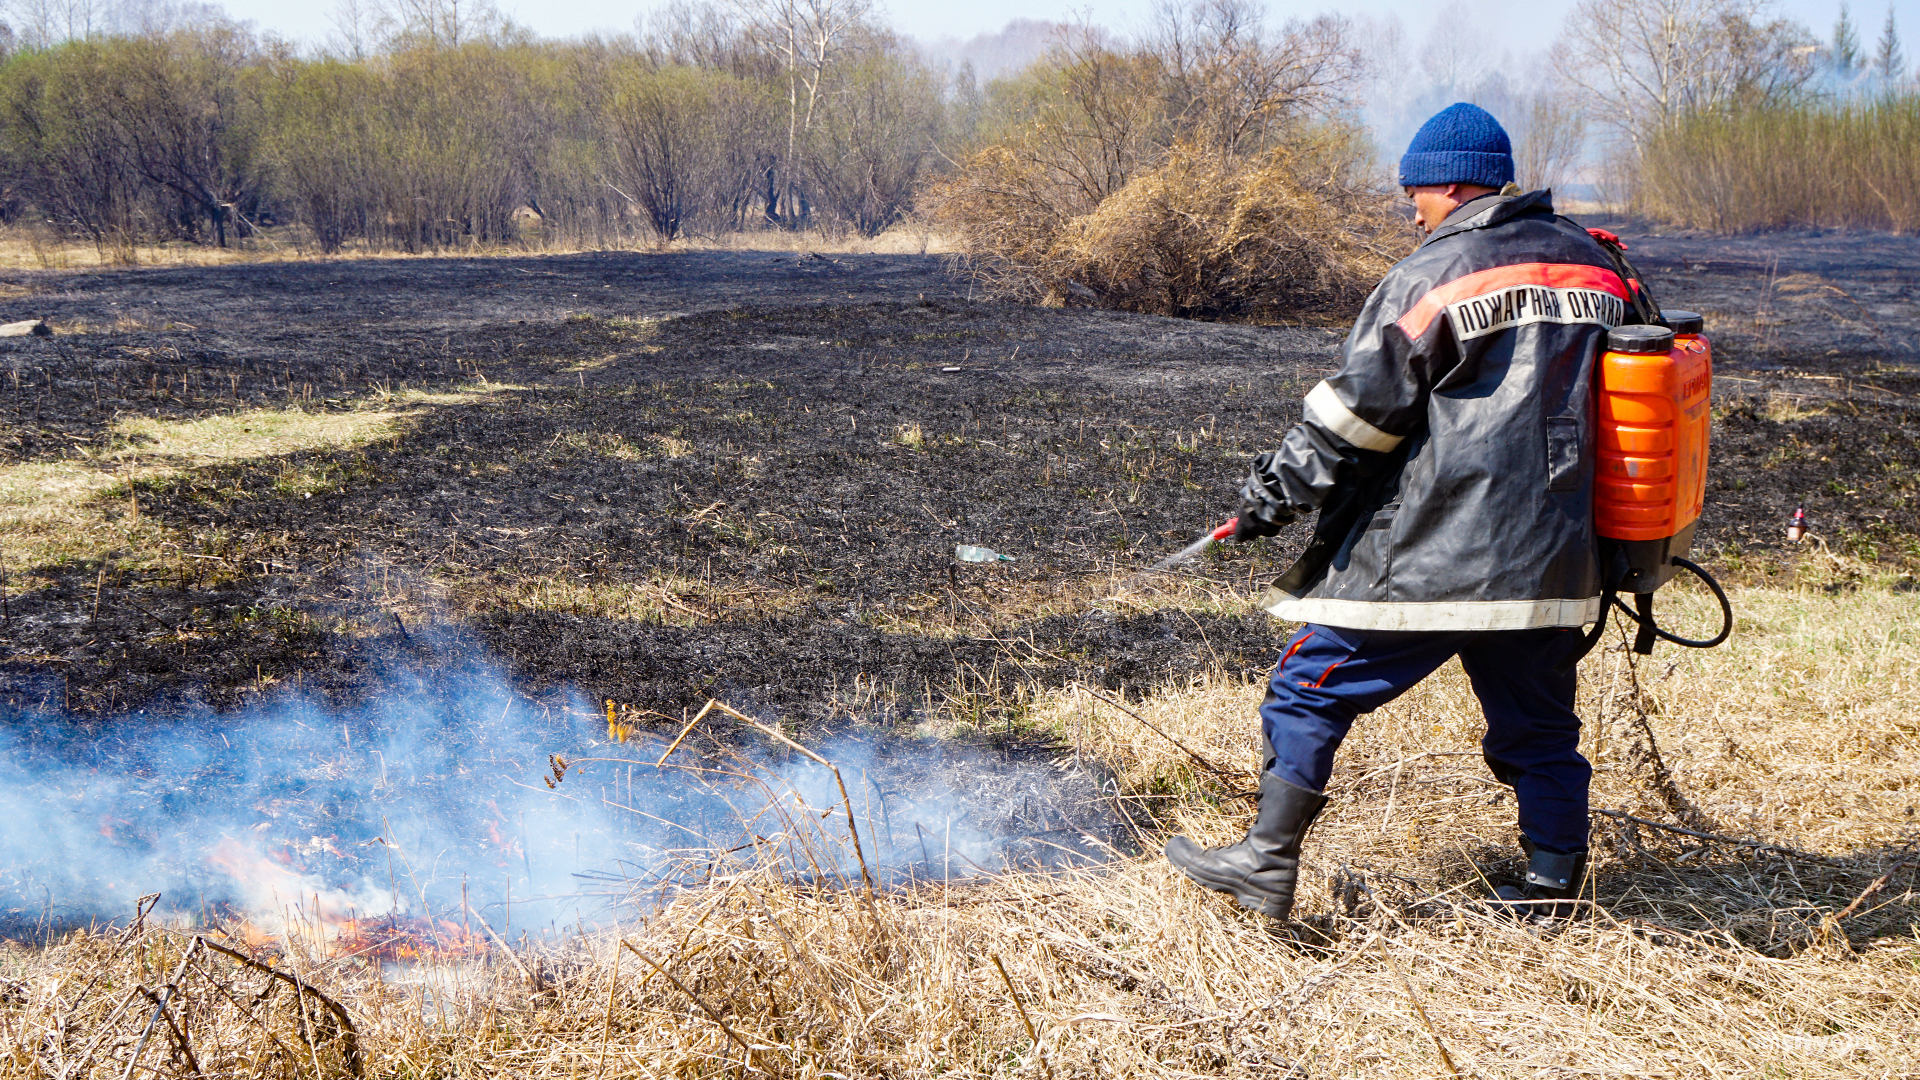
{"x":1453,"y":192}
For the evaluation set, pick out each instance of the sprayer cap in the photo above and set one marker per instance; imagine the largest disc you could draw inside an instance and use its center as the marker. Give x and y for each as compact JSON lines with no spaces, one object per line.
{"x":1640,"y":339}
{"x":1685,"y":322}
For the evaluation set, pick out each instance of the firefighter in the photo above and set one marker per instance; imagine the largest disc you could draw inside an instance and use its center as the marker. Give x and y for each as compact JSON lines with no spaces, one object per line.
{"x":1451,"y":462}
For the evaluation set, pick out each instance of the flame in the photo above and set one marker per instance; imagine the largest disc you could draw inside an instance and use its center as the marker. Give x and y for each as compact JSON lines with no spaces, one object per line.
{"x":285,"y":907}
{"x":394,"y":938}
{"x":401,"y":937}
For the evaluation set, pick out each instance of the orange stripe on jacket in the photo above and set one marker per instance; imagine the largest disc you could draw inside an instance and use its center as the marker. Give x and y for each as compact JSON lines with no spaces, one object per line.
{"x":1554,"y":275}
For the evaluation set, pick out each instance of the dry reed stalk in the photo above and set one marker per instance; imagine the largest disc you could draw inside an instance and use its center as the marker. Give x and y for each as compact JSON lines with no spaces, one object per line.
{"x":1850,"y":164}
{"x":1133,"y":960}
{"x":1198,"y":759}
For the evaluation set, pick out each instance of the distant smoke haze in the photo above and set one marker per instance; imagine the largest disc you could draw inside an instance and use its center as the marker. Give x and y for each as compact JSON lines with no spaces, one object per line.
{"x":997,"y":54}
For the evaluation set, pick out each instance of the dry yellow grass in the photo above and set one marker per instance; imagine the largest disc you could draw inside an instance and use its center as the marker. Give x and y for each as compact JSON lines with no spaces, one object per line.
{"x":77,"y":507}
{"x":1704,"y":958}
{"x":1801,"y":729}
{"x":29,"y":249}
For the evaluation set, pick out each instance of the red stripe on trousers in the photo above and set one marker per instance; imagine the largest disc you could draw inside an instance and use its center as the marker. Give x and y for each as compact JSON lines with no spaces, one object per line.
{"x":1296,"y":648}
{"x":1322,"y":680}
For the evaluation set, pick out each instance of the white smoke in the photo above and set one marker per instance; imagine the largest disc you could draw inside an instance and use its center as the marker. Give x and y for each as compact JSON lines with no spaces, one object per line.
{"x":481,"y":804}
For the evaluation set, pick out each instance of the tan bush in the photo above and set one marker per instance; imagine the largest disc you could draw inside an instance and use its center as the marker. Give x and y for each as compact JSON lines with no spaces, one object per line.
{"x":1296,"y":229}
{"x":1192,"y":172}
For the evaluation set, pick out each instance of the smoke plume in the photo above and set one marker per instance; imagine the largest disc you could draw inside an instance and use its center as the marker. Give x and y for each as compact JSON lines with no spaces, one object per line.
{"x":478,"y":804}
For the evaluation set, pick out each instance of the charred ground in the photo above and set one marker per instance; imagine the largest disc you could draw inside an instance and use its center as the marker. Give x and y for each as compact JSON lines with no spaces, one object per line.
{"x":659,"y":478}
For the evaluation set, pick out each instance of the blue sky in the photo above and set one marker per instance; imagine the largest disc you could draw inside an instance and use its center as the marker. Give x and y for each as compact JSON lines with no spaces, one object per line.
{"x":1522,"y":25}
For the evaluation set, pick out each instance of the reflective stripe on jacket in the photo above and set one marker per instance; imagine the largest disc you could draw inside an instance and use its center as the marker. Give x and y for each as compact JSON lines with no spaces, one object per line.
{"x":1451,"y":458}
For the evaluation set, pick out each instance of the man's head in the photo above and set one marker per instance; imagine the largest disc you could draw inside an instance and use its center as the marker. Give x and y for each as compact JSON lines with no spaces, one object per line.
{"x":1459,"y":155}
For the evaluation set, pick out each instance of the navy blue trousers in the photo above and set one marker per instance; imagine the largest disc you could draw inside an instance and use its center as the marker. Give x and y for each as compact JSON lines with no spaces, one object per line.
{"x":1329,"y":675}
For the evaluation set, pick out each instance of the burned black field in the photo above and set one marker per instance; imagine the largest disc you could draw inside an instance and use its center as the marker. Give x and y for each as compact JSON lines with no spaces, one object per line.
{"x":658,"y":479}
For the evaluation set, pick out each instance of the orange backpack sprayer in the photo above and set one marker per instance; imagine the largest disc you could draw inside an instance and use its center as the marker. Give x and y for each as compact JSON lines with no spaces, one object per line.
{"x":1654,"y":386}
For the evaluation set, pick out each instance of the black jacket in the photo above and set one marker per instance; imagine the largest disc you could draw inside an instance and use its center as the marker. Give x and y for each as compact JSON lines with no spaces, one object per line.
{"x":1452,"y":456}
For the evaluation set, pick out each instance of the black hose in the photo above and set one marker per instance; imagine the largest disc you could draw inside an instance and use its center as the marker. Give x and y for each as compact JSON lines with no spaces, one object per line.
{"x":1726,"y":611}
{"x":1643,"y":641}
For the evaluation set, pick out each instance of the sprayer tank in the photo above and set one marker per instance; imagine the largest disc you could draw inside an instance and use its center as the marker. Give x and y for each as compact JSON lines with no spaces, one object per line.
{"x":1654,"y":404}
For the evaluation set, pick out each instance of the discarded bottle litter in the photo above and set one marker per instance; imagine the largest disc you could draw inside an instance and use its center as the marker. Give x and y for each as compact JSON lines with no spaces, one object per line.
{"x":969,"y":553}
{"x":1797,"y":527}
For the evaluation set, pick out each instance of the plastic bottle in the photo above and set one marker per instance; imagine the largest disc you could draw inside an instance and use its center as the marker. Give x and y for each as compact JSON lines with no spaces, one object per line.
{"x":969,"y":553}
{"x":1797,"y":526}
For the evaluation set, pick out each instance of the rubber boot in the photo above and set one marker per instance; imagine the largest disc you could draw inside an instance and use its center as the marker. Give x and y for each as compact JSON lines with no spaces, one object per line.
{"x":1262,"y":870}
{"x":1551,"y":881}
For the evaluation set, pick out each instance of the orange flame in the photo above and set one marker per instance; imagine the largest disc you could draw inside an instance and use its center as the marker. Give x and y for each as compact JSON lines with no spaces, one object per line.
{"x":407,"y":938}
{"x":284,"y":905}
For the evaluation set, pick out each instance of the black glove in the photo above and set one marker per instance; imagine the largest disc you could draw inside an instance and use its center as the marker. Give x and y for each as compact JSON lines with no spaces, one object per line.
{"x":1262,"y":511}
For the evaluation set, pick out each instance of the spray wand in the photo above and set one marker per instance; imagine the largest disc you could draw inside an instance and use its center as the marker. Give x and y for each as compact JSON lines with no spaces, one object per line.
{"x":1197,"y":546}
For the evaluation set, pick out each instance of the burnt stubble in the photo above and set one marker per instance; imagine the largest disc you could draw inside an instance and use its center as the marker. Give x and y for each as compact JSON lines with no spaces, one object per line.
{"x":674,"y":477}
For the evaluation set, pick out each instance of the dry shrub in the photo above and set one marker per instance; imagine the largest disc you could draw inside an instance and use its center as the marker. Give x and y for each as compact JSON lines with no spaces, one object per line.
{"x":1745,"y":955}
{"x":1193,"y":171}
{"x":1297,"y":229}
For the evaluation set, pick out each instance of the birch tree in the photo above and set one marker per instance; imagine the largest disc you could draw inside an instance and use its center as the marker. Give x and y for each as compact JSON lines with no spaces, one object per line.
{"x":1643,"y":65}
{"x":807,"y":36}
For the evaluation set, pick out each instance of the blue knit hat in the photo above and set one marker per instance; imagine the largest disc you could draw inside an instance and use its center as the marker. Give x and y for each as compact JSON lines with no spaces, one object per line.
{"x":1462,"y":144}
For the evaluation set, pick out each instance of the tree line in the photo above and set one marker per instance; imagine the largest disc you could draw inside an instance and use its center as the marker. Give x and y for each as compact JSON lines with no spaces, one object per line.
{"x":448,"y":129}
{"x":1212,"y":164}
{"x":1725,"y":116}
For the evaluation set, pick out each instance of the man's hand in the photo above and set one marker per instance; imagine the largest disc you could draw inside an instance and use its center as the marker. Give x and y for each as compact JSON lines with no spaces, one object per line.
{"x":1262,"y":511}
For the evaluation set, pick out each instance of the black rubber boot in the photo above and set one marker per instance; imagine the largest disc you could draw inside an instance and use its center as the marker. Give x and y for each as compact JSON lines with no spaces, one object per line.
{"x":1551,"y":880}
{"x":1261,"y":870}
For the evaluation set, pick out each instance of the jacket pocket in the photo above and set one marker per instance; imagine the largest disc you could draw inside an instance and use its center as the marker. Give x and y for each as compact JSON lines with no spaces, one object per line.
{"x":1563,"y":453}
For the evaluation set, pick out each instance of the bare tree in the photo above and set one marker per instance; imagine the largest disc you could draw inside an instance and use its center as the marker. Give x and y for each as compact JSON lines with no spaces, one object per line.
{"x":1454,"y":55}
{"x":684,"y":143}
{"x":1549,"y":137}
{"x":1645,"y":64}
{"x":77,"y":162}
{"x":447,"y":23}
{"x":869,"y":146}
{"x":693,"y":35}
{"x":359,"y":26}
{"x":807,"y":36}
{"x":41,"y":23}
{"x":1232,"y":83}
{"x":153,"y":18}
